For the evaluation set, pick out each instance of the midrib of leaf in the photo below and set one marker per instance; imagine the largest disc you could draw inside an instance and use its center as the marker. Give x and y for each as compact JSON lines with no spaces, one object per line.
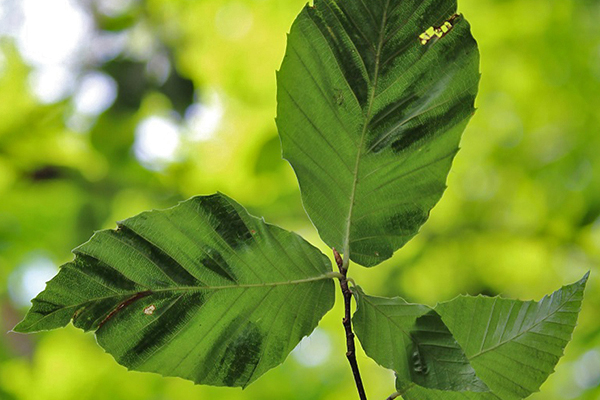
{"x":368,"y":116}
{"x":330,"y":275}
{"x":529,"y":329}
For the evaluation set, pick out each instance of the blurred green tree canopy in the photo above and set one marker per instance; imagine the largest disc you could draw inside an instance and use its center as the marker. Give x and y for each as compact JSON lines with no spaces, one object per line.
{"x":114,"y":107}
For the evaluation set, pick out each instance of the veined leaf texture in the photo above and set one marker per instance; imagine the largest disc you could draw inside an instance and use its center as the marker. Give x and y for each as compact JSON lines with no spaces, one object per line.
{"x":370,"y":117}
{"x":203,"y":291}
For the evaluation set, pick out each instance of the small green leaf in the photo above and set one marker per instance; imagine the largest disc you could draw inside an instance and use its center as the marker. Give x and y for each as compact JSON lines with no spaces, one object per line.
{"x":202,"y":291}
{"x":370,"y":115}
{"x":412,"y":340}
{"x":512,"y":345}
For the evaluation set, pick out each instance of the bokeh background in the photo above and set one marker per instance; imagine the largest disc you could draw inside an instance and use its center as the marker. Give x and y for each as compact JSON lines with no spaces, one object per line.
{"x":112,"y":107}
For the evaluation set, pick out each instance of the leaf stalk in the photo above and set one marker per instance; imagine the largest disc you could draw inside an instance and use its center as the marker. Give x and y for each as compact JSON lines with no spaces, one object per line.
{"x":347,"y":322}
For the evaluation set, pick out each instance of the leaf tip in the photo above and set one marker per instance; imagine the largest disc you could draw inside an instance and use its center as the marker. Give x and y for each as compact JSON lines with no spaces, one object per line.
{"x":583,"y":281}
{"x":587,"y":275}
{"x":19,"y":329}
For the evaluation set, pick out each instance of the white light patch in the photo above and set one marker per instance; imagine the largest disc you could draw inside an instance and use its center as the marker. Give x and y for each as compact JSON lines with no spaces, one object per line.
{"x":96,"y":92}
{"x":203,"y":120}
{"x":51,"y":37}
{"x":3,"y":17}
{"x":157,"y":141}
{"x":587,"y":370}
{"x":29,"y":279}
{"x":106,"y":46}
{"x":52,"y":31}
{"x":313,"y":350}
{"x":159,"y":68}
{"x":11,"y":18}
{"x":114,"y":8}
{"x":51,"y":84}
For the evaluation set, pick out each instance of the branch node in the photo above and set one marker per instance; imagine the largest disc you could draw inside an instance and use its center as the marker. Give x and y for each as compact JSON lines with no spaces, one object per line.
{"x":339,"y":261}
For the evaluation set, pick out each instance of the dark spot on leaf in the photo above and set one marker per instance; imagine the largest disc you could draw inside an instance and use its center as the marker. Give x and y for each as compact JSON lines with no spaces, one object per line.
{"x":99,"y":271}
{"x":160,"y":331}
{"x":436,"y":360}
{"x":167,"y":264}
{"x":225,"y":220}
{"x":328,"y":22}
{"x":409,"y":137}
{"x":91,"y":314}
{"x":407,"y":222}
{"x":214,"y":261}
{"x":437,"y":124}
{"x":398,"y":110}
{"x":45,"y":307}
{"x":242,"y":356}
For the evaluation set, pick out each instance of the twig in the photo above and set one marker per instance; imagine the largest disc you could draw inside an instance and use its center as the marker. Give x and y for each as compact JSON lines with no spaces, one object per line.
{"x":402,"y":393}
{"x":347,"y":322}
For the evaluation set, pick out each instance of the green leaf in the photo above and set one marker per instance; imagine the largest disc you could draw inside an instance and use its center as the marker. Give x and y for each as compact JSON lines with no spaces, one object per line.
{"x":202,"y":291}
{"x":370,"y":118}
{"x":412,"y":340}
{"x":513,"y":345}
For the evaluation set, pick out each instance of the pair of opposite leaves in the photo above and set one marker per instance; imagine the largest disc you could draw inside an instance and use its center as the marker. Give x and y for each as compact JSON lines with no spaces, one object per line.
{"x":370,"y":117}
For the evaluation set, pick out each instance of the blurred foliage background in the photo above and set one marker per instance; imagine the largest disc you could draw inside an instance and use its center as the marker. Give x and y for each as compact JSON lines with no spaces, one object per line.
{"x":112,"y":107}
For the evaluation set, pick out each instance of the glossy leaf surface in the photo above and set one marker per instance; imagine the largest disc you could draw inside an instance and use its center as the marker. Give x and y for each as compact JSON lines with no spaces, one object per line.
{"x":512,"y":345}
{"x":370,"y":115}
{"x":412,"y":340}
{"x":202,"y":291}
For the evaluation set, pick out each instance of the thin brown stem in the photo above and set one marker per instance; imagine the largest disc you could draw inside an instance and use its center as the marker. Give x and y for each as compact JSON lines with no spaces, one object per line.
{"x":347,"y":322}
{"x":401,"y":393}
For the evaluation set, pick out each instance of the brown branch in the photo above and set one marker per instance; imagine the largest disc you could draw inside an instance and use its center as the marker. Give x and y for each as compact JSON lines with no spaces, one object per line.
{"x":347,"y":322}
{"x":394,"y":396}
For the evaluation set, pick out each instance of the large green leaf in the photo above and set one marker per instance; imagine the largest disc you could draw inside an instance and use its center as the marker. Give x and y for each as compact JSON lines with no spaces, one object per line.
{"x":412,"y":340}
{"x":512,"y":345}
{"x":370,"y":115}
{"x":202,"y":291}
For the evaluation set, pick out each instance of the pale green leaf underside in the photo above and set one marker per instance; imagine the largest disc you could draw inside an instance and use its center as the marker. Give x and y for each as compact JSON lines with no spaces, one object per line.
{"x":370,"y":118}
{"x":512,"y":345}
{"x":412,"y":340}
{"x":202,"y":291}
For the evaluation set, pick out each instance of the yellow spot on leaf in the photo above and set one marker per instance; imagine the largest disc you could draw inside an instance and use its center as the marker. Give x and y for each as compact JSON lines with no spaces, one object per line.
{"x":437,"y":32}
